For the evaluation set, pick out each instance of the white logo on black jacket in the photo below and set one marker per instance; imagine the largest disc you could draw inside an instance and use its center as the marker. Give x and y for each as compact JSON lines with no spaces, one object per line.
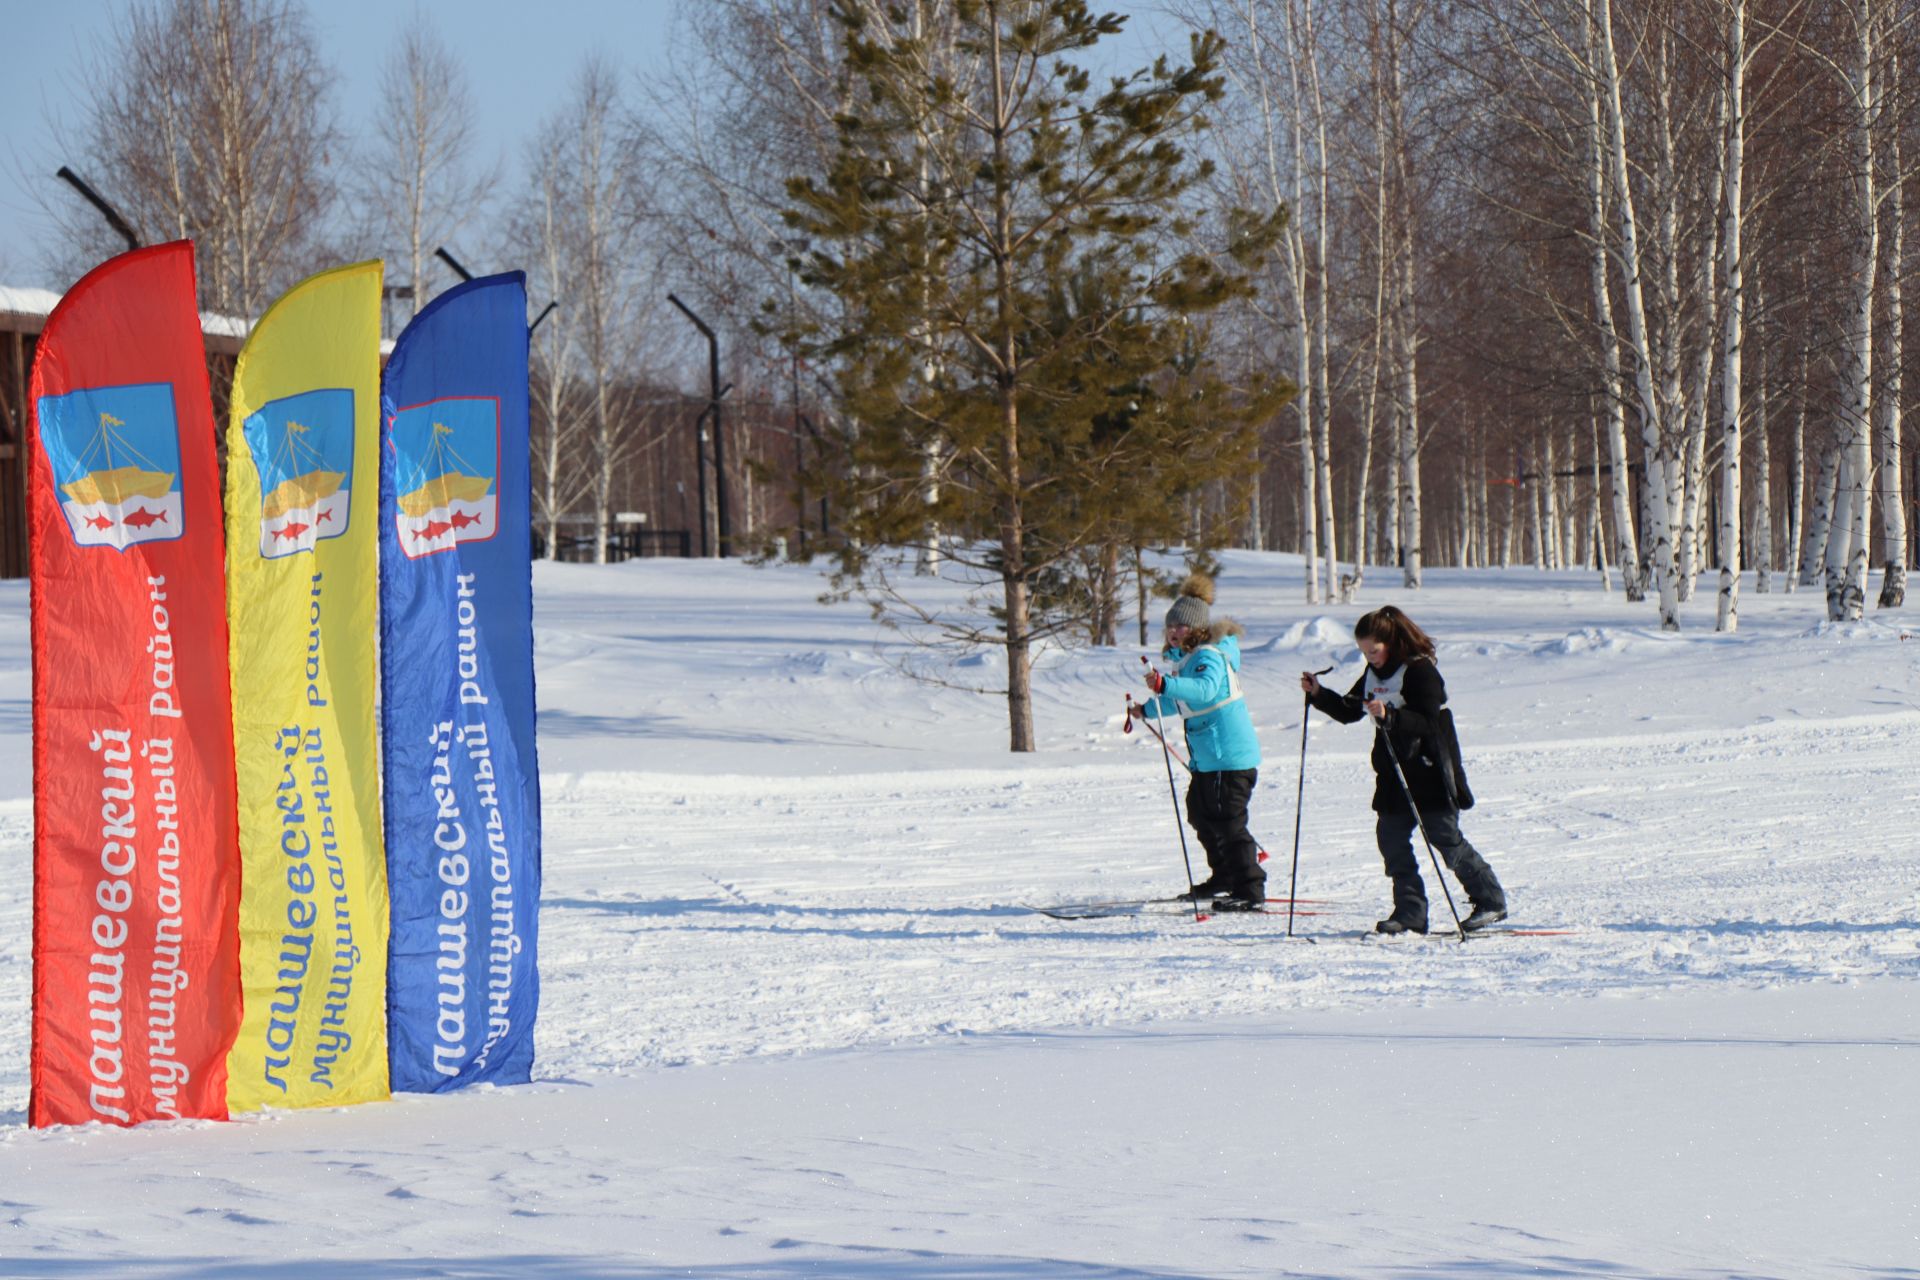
{"x":1387,"y":688}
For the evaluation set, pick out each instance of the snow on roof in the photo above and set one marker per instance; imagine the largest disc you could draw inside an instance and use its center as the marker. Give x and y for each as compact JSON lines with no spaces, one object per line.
{"x":39,"y":304}
{"x":27,"y":302}
{"x":225,"y":326}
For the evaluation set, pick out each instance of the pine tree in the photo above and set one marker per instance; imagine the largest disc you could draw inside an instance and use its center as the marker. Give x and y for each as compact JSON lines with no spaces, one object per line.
{"x":1019,"y":347}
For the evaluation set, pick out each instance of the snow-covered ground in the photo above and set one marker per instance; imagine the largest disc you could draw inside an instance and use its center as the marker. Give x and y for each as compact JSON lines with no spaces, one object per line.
{"x":798,"y":1020}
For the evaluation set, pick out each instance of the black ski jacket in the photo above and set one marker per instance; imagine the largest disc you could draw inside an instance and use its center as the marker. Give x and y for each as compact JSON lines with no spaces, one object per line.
{"x":1420,"y":728}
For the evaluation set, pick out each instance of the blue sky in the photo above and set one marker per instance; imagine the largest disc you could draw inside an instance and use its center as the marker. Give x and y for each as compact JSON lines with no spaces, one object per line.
{"x":520,"y":58}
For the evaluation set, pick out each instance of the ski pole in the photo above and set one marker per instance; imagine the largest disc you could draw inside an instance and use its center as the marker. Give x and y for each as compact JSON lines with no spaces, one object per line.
{"x":1166,"y":754}
{"x":1299,"y":801}
{"x":1380,"y":726}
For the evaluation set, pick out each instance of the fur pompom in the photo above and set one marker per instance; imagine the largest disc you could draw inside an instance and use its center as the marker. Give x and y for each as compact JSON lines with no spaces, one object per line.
{"x":1198,"y":585}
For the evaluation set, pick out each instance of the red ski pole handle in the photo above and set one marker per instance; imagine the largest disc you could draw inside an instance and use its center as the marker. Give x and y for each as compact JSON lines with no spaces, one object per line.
{"x":1126,"y":726}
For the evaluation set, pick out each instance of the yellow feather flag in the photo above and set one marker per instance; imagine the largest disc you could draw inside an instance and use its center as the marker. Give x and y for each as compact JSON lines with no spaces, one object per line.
{"x":302,"y":503}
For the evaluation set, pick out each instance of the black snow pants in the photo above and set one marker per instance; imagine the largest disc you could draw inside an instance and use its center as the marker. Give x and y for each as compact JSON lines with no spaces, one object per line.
{"x":1395,"y":833}
{"x":1217,"y":810}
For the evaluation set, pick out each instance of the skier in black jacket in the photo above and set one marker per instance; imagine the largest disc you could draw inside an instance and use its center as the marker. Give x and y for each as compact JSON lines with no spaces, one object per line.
{"x":1403,"y":692}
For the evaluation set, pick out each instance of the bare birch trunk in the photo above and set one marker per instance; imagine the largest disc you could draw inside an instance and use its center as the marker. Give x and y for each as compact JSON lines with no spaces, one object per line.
{"x":1409,"y":450}
{"x":557,"y":354}
{"x":927,"y":558}
{"x":1322,"y":390}
{"x":1256,"y":534}
{"x":1550,"y":499}
{"x":1483,"y":488}
{"x":1407,"y":329}
{"x":1887,"y":461}
{"x":1508,"y":529}
{"x":1363,"y":480}
{"x":1846,"y":599}
{"x":1535,"y":536}
{"x":1694,"y":537}
{"x":1819,"y":522}
{"x":1795,"y":505}
{"x":1467,"y":543}
{"x":1839,"y":548}
{"x":1107,"y":598}
{"x":1296,"y":275}
{"x":1597,"y":519}
{"x":1566,"y":534}
{"x":1309,"y":490}
{"x":1668,"y":332}
{"x":1693,"y":485}
{"x":1390,"y":508}
{"x":1734,"y":109}
{"x":1698,"y":537}
{"x":1762,"y":454}
{"x":1294,"y":243}
{"x":596,"y":282}
{"x":1363,"y":529}
{"x":1659,"y":450}
{"x":1140,"y":592}
{"x":1614,"y":392}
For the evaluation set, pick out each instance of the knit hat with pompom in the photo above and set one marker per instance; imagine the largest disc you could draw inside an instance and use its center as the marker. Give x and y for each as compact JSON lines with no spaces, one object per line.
{"x":1191,"y":610}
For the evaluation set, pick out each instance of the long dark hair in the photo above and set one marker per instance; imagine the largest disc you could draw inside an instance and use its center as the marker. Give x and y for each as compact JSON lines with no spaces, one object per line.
{"x":1400,"y":634}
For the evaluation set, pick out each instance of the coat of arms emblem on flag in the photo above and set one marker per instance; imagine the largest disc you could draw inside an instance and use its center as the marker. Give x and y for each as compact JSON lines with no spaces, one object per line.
{"x":446,"y":469}
{"x":302,"y":448}
{"x":115,"y":453}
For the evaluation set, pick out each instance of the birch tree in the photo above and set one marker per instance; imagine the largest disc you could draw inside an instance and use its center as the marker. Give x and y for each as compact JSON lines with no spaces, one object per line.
{"x":595,"y":225}
{"x":1406,"y":323}
{"x":212,"y":121}
{"x":1763,"y":455}
{"x":541,"y":231}
{"x":1888,"y":418}
{"x":1613,"y":391}
{"x":418,"y":172}
{"x":1322,"y":325}
{"x":1284,"y":183}
{"x":1728,"y":614}
{"x":1300,"y":276}
{"x":1815,"y":534}
{"x":1657,"y":440}
{"x":1847,"y":560}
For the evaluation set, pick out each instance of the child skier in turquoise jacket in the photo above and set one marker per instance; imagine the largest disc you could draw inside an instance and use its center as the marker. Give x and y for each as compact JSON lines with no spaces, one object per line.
{"x":1204,"y":693}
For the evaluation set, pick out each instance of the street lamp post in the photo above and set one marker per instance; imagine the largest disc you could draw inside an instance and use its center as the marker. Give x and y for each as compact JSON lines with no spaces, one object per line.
{"x":107,"y":211}
{"x":719,"y":433}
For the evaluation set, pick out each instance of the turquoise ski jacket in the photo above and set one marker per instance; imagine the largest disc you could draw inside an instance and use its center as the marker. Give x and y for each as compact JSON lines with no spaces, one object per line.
{"x":1204,"y":691}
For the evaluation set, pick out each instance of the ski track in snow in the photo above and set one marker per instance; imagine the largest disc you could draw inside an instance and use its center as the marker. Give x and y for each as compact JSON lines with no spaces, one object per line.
{"x":772,"y":916}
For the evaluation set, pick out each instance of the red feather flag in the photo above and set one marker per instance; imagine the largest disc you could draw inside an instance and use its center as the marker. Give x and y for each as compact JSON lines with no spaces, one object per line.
{"x":136,"y":981}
